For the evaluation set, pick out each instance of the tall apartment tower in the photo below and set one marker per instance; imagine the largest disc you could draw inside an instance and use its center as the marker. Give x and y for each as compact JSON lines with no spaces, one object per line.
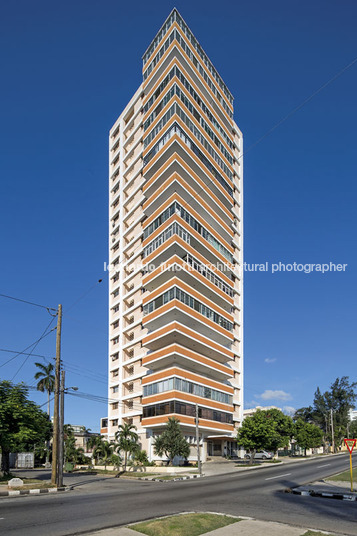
{"x":176,"y":289}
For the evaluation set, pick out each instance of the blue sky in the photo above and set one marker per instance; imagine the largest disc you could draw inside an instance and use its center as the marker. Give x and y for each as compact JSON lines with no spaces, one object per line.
{"x":69,"y":68}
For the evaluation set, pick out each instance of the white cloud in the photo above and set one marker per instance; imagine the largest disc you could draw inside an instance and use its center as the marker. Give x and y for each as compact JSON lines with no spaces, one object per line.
{"x":270,"y":360}
{"x":289,"y":410}
{"x":275,"y":395}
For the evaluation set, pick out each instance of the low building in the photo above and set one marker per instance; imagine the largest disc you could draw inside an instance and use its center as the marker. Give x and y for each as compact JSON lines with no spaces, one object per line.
{"x":251,"y":411}
{"x":82,"y":436}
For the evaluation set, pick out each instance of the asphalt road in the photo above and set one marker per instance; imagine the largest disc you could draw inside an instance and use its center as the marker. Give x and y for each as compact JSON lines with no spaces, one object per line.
{"x":98,"y":502}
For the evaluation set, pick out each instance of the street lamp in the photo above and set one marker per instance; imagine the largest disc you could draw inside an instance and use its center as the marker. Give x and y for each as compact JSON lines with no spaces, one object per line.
{"x":63,"y":390}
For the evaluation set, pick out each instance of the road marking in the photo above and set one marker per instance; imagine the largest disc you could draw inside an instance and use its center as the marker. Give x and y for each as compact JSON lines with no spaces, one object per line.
{"x":320,"y":466}
{"x":279,"y":476}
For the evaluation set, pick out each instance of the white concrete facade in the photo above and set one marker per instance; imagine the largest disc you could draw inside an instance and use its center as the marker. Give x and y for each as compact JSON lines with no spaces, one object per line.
{"x":176,"y":250}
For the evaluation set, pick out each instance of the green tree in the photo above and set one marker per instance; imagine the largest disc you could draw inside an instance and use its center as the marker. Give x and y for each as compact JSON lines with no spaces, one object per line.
{"x":352,"y":430}
{"x":46,"y":381}
{"x":265,"y":429}
{"x":93,"y":441}
{"x":171,"y":442}
{"x":115,"y":460}
{"x":127,"y":441}
{"x":332,"y":405}
{"x":140,"y":457}
{"x":103,"y":451}
{"x":307,"y":435}
{"x":22,"y":423}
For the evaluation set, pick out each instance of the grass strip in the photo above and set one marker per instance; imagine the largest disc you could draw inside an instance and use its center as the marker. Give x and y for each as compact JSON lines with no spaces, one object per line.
{"x":344,"y":477}
{"x":184,"y":525}
{"x":314,"y":533}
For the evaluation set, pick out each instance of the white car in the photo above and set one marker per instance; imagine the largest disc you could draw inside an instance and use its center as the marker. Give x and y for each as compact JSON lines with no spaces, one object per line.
{"x":261,"y":455}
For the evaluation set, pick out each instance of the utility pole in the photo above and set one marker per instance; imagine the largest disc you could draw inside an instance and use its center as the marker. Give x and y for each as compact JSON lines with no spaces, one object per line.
{"x":54,"y":475}
{"x":198,"y":443}
{"x":61,"y":434}
{"x":332,"y":431}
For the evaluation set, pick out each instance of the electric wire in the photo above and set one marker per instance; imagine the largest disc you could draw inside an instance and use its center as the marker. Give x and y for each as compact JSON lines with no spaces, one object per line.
{"x":35,"y":345}
{"x":28,"y":302}
{"x":27,"y":347}
{"x":299,"y":106}
{"x":23,"y":353}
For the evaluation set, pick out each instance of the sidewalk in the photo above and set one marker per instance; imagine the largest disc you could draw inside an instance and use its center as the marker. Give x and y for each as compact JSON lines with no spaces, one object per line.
{"x":246,"y":527}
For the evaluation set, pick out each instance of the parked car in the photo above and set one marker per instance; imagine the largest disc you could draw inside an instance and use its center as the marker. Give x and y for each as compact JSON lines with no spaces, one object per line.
{"x":261,"y":455}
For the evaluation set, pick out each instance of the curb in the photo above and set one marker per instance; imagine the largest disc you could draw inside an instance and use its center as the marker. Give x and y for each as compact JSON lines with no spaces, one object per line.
{"x":328,"y":495}
{"x":173,"y":479}
{"x":39,"y":491}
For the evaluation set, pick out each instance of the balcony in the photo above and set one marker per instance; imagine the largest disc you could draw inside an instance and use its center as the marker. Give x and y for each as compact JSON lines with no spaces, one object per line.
{"x":177,"y":355}
{"x":202,"y":204}
{"x":188,"y":309}
{"x":194,"y":273}
{"x":175,"y":145}
{"x":177,"y":333}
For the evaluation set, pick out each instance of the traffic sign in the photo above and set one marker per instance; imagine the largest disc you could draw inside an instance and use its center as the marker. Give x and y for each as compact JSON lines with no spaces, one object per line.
{"x":350,"y":444}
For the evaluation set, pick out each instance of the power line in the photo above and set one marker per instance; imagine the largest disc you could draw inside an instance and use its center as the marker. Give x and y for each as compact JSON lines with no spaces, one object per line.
{"x":28,"y":302}
{"x":27,"y":347}
{"x":297,"y":108}
{"x":24,"y":353}
{"x":83,"y":295}
{"x":80,"y":368}
{"x":86,"y":376}
{"x":34,"y":346}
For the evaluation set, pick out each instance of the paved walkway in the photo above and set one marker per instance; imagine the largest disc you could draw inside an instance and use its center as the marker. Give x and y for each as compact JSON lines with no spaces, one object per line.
{"x":246,"y":527}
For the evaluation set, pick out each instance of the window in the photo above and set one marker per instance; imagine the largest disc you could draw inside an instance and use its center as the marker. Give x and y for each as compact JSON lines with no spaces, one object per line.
{"x":181,"y":408}
{"x":178,"y":294}
{"x":176,"y":208}
{"x":185,"y":386}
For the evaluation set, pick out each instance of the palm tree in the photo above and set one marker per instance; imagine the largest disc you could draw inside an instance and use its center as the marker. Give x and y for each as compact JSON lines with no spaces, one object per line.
{"x":127,"y":440}
{"x":46,"y":381}
{"x":103,"y":450}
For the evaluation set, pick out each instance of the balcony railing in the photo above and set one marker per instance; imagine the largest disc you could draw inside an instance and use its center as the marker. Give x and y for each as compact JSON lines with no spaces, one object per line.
{"x":176,"y":293}
{"x":173,"y":229}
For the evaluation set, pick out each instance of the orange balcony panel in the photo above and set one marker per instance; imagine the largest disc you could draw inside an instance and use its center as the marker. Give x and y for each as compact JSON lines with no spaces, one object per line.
{"x":180,"y":51}
{"x":179,"y":372}
{"x":175,"y":138}
{"x":177,"y":267}
{"x":174,"y":308}
{"x":190,"y":421}
{"x":177,"y":62}
{"x":190,"y":230}
{"x":175,"y":332}
{"x":178,"y":395}
{"x":189,"y":290}
{"x":175,"y":181}
{"x":177,"y":352}
{"x":175,"y":197}
{"x":177,"y":158}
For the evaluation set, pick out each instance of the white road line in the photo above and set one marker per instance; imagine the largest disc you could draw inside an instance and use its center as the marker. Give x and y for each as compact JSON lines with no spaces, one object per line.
{"x":279,"y":476}
{"x":320,"y":466}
